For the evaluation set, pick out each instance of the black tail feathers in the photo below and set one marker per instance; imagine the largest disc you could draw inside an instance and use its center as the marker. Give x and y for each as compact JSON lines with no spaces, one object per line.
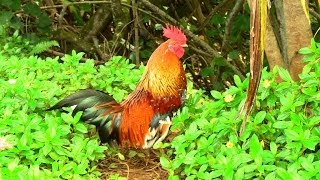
{"x":83,"y":99}
{"x":98,"y":108}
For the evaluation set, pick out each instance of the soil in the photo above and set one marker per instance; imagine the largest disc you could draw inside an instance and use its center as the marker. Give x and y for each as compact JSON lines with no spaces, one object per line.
{"x":145,"y":165}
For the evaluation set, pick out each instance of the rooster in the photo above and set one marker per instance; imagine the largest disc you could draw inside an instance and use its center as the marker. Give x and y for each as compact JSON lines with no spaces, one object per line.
{"x":144,"y":118}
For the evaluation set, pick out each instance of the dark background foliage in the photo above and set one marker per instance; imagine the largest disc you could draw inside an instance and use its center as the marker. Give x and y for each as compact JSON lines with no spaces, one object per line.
{"x":217,"y":30}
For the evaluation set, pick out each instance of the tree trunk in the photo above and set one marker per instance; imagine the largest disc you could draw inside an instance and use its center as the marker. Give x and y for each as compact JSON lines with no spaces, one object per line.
{"x":288,"y":31}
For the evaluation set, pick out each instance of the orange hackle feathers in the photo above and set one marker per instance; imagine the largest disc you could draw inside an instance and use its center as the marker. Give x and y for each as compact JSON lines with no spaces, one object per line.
{"x":144,"y":117}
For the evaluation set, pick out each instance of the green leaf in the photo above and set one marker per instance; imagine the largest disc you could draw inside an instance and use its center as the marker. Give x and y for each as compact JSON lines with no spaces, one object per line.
{"x":234,"y":54}
{"x":271,"y":100}
{"x":271,"y":176}
{"x":239,"y":174}
{"x":52,"y":132}
{"x":5,"y":18}
{"x":212,"y":33}
{"x":310,"y":143}
{"x":310,"y":91}
{"x":314,"y":120}
{"x":242,"y":158}
{"x":132,"y":153}
{"x":44,"y":23}
{"x":158,"y":27}
{"x":228,"y":172}
{"x":282,"y":124}
{"x":273,"y":148}
{"x":55,"y":157}
{"x":59,"y":150}
{"x":46,"y":149}
{"x":307,"y":165}
{"x":295,"y":118}
{"x":292,"y":135}
{"x":216,"y":94}
{"x":219,"y":61}
{"x":250,"y":168}
{"x":285,"y":101}
{"x":64,"y":130}
{"x":81,"y":168}
{"x":43,"y":46}
{"x":68,"y":166}
{"x":313,"y":44}
{"x":13,"y":164}
{"x":217,"y":19}
{"x":32,"y":9}
{"x":13,"y":5}
{"x":216,"y":173}
{"x":165,"y":163}
{"x":271,"y":168}
{"x":305,"y":50}
{"x":207,"y":71}
{"x":284,"y":74}
{"x":260,"y":116}
{"x":283,"y":173}
{"x":173,"y":177}
{"x":176,"y":163}
{"x":282,"y":115}
{"x":237,"y":81}
{"x":255,"y":146}
{"x":81,"y":128}
{"x":121,"y":156}
{"x":190,"y":157}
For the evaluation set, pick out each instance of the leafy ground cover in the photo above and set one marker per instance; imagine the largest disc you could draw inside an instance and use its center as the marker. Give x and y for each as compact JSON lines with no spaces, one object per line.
{"x":43,"y":143}
{"x":281,"y":139}
{"x":39,"y":143}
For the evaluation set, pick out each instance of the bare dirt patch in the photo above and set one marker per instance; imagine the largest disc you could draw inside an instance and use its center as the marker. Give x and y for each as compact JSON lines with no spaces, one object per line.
{"x":145,"y":165}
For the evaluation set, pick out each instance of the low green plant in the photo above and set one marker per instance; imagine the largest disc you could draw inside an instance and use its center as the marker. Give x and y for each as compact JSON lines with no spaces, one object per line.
{"x":35,"y":143}
{"x":281,"y":139}
{"x":17,"y":45}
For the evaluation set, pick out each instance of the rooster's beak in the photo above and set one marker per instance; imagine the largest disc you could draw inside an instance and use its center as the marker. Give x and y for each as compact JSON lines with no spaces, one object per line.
{"x":184,"y":45}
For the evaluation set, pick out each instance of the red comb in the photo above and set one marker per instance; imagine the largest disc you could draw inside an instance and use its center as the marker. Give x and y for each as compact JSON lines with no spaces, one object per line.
{"x":174,"y":33}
